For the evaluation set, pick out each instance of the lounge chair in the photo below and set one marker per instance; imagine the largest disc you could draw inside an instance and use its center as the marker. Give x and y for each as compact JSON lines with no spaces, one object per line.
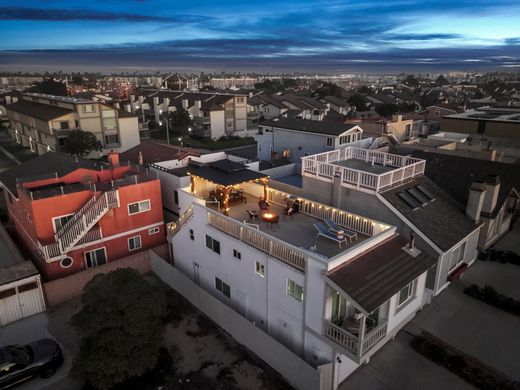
{"x":324,"y":232}
{"x":335,"y":228}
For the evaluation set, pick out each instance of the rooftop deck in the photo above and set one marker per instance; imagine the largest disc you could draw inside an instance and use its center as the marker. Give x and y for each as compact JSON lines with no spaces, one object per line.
{"x":362,"y":168}
{"x":297,"y":231}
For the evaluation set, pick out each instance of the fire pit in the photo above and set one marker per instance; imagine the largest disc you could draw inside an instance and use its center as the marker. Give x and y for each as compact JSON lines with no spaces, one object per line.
{"x":270,"y":218}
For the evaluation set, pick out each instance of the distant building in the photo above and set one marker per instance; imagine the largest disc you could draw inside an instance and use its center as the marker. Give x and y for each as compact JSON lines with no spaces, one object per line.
{"x":73,"y":214}
{"x":233,"y":82}
{"x":396,"y":130}
{"x":295,"y":138}
{"x":43,"y":122}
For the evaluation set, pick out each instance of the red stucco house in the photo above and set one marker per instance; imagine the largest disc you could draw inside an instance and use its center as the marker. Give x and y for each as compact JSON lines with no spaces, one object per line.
{"x":73,"y":213}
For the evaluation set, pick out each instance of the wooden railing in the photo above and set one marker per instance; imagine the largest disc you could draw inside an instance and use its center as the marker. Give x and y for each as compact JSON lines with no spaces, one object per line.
{"x":372,"y":338}
{"x":279,"y":249}
{"x":351,"y":342}
{"x":345,"y":219}
{"x":324,"y":165}
{"x":173,"y":228}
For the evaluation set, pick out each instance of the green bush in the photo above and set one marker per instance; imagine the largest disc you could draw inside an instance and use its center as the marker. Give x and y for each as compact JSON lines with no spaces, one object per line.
{"x":492,"y":297}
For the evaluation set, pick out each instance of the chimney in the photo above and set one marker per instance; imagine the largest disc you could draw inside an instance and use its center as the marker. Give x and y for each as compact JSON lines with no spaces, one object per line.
{"x":128,"y":108}
{"x":185,"y":104}
{"x":250,"y":94}
{"x":198,"y":103}
{"x":155,"y":101}
{"x":336,"y":189}
{"x":492,"y":189}
{"x":477,"y":193}
{"x":116,"y":104}
{"x":113,"y":159}
{"x":132,"y":98}
{"x":410,"y":248}
{"x":140,"y":159}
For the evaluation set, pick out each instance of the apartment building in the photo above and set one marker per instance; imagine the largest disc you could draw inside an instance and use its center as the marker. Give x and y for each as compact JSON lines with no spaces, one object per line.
{"x":328,"y":299}
{"x":394,"y":189}
{"x":233,"y":82}
{"x":73,"y":214}
{"x":289,"y":106}
{"x":214,"y":115}
{"x":296,"y":138}
{"x":43,"y":122}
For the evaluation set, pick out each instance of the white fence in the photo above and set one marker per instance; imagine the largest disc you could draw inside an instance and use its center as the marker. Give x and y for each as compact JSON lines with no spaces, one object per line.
{"x":295,"y":370}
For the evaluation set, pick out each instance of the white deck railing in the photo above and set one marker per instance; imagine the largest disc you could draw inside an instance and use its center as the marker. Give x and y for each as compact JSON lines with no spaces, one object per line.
{"x":351,"y":342}
{"x":276,"y":248}
{"x":324,"y":166}
{"x":317,"y":210}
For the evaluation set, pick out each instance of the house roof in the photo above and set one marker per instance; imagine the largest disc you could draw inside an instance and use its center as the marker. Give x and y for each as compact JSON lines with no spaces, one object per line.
{"x":376,"y":275}
{"x":443,"y":168}
{"x":125,"y":114}
{"x":336,"y":101}
{"x":156,"y":152}
{"x":309,"y":126}
{"x":45,"y":112}
{"x":18,"y":271}
{"x":225,"y":173}
{"x":47,"y":164}
{"x":441,"y":220}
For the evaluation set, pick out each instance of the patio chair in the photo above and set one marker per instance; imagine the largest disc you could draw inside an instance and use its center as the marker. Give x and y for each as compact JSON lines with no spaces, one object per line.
{"x":288,"y":212}
{"x":264,"y":206}
{"x":335,"y":228}
{"x":324,"y":232}
{"x":253,"y":215}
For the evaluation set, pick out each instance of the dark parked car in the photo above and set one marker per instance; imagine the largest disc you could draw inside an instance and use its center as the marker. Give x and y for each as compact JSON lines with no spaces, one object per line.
{"x":19,"y":363}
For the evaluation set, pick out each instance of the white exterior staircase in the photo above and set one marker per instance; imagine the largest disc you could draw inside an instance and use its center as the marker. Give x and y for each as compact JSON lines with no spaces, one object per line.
{"x":81,"y":223}
{"x":174,"y":227}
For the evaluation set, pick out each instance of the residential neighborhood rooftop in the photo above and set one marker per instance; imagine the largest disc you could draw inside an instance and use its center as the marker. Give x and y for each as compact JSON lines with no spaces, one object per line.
{"x":45,"y":112}
{"x":309,"y":126}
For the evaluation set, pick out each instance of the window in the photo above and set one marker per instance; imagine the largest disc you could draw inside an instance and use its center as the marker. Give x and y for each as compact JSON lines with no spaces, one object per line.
{"x":66,"y":262}
{"x":109,"y":120}
{"x":457,"y":256}
{"x":76,"y":122}
{"x":61,"y":141}
{"x":176,"y":197}
{"x":96,"y":257}
{"x":154,"y":230}
{"x":286,"y":153}
{"x":89,"y":108}
{"x":294,"y":290}
{"x":59,"y":222}
{"x":212,"y":244}
{"x":259,"y":269}
{"x":237,"y":254}
{"x":134,"y":243}
{"x":330,"y":142}
{"x":138,"y":207}
{"x":111,"y":139}
{"x":222,"y":287}
{"x":437,"y":112}
{"x":240,"y":100}
{"x":266,"y":109}
{"x":64,"y":125}
{"x":192,"y":235}
{"x":406,"y":294}
{"x":344,"y":139}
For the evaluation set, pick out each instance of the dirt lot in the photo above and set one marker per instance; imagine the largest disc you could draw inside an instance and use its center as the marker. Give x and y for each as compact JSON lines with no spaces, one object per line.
{"x":199,"y":349}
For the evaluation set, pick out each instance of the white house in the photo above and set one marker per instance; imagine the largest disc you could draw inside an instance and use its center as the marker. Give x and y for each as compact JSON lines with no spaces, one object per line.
{"x":337,"y":297}
{"x":297,"y":138}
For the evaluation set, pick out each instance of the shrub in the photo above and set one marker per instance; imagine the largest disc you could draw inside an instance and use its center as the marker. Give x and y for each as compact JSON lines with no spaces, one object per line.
{"x":492,"y":297}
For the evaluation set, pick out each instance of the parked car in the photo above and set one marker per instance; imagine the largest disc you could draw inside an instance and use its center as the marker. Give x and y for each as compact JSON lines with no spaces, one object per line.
{"x":19,"y":363}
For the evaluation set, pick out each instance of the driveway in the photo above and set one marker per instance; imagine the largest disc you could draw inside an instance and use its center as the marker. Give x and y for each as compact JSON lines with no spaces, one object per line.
{"x":12,"y":153}
{"x":476,"y":328}
{"x":398,"y":367}
{"x":31,"y":329}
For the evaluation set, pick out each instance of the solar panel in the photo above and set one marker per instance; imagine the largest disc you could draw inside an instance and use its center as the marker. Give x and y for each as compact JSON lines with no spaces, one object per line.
{"x":425,"y":192}
{"x":417,"y":196}
{"x":409,"y":200}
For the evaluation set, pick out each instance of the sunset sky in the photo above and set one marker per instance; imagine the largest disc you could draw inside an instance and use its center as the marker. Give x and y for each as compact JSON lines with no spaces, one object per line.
{"x":322,"y":36}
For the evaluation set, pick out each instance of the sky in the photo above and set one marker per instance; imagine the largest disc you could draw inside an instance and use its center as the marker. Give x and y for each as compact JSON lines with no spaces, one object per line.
{"x":326,"y":36}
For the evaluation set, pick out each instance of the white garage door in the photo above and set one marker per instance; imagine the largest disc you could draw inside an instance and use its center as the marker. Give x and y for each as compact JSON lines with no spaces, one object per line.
{"x":20,"y":300}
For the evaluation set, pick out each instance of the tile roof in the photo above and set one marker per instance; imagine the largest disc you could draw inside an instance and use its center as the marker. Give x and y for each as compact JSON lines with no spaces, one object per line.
{"x":45,"y":112}
{"x":309,"y":126}
{"x":156,"y":152}
{"x":379,"y":273}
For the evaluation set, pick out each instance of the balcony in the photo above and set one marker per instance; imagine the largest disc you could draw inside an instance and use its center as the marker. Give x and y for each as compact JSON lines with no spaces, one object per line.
{"x":202,"y":120}
{"x":362,"y":168}
{"x":355,"y":345}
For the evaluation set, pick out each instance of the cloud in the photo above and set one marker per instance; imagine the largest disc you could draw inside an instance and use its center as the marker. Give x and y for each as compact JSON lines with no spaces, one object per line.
{"x":61,"y":15}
